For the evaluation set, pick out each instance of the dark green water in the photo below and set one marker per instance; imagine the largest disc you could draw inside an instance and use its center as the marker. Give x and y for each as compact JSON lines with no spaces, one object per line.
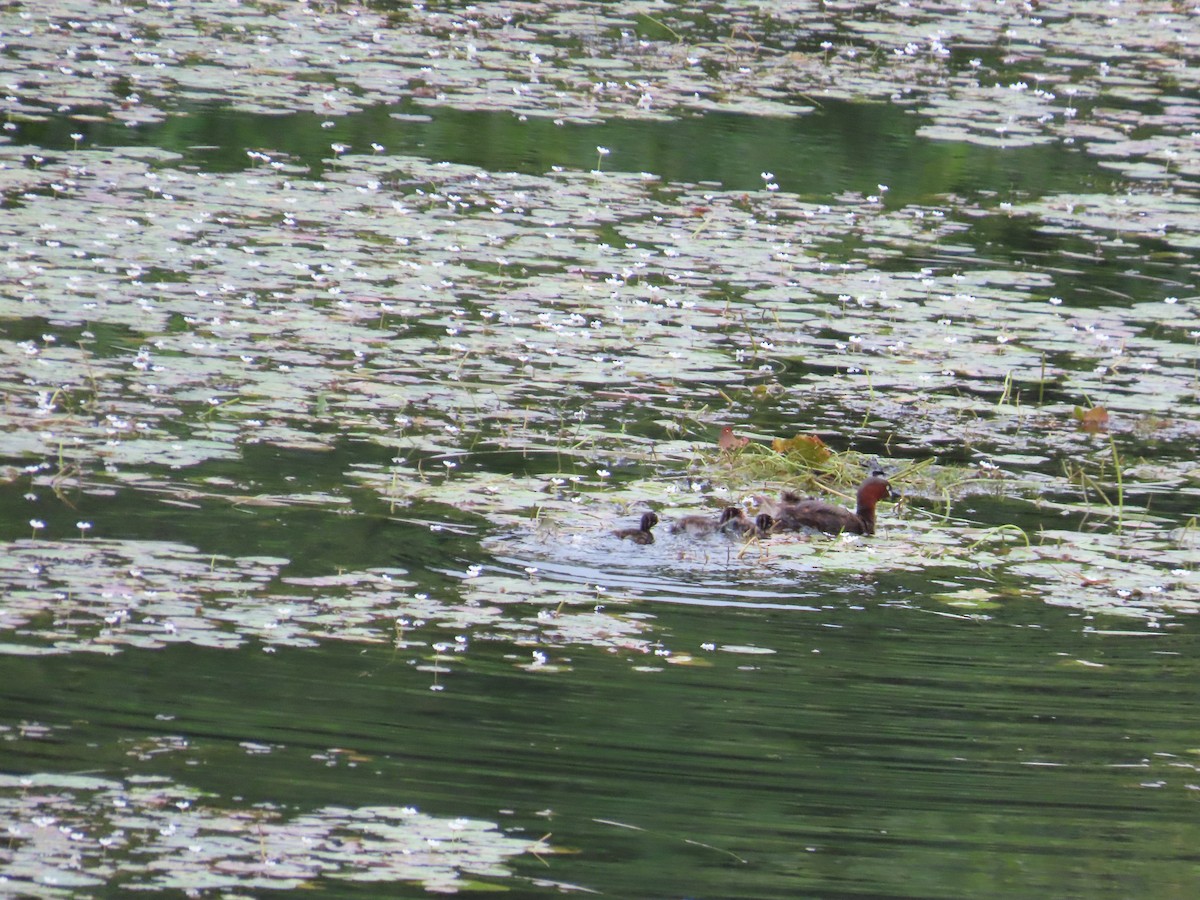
{"x":881,"y":751}
{"x":884,"y":748}
{"x":817,"y":155}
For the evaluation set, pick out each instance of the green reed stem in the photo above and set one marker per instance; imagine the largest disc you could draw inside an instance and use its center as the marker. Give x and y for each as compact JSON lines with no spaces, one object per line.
{"x":1112,"y":443}
{"x":1001,"y":529}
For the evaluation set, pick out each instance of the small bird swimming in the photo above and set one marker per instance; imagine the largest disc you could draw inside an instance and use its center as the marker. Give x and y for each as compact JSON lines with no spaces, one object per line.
{"x":641,"y":534}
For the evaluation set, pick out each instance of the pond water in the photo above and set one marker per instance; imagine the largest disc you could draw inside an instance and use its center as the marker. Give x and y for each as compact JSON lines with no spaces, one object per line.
{"x":338,"y":338}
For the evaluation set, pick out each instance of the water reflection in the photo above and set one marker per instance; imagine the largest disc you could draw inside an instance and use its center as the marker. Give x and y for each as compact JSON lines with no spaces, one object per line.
{"x":872,"y":739}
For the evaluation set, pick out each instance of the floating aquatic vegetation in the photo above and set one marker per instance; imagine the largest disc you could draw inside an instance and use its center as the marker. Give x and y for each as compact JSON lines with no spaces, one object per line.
{"x":807,"y":447}
{"x":103,"y":596}
{"x":67,"y":833}
{"x":1146,"y":577}
{"x":237,"y":373}
{"x":730,"y":442}
{"x":173,"y":315}
{"x":1091,"y":420}
{"x":1011,"y":76}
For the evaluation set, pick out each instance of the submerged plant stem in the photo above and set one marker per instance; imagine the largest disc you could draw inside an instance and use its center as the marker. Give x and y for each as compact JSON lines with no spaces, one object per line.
{"x":1000,"y":530}
{"x":1112,"y":443}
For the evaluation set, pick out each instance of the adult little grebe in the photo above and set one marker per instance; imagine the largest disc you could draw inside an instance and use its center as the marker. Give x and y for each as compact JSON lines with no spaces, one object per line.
{"x":641,"y":534}
{"x":794,"y":514}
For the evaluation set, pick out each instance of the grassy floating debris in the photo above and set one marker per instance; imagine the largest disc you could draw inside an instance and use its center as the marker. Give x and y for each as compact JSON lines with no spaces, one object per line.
{"x":803,"y":461}
{"x":1091,"y":420}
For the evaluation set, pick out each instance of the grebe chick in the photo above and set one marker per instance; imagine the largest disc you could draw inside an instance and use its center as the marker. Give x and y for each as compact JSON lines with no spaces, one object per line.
{"x":701,"y":525}
{"x":641,"y":534}
{"x":759,"y":526}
